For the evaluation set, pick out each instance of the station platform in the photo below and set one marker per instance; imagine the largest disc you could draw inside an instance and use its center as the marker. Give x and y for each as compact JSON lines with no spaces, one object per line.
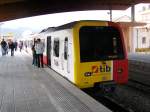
{"x":26,"y":88}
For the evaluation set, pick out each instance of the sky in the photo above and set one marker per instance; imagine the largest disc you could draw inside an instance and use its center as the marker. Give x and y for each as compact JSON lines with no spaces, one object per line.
{"x":38,"y":23}
{"x":57,"y":19}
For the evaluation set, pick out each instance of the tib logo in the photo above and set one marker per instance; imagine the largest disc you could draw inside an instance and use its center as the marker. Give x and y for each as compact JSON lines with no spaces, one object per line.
{"x":96,"y":69}
{"x":105,"y":68}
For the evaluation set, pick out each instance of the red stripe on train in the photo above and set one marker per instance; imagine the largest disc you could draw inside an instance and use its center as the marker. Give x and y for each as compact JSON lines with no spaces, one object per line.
{"x":120,"y":71}
{"x":45,"y":60}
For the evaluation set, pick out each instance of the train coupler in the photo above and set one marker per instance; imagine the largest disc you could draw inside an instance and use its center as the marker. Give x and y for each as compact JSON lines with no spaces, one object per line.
{"x":108,"y":86}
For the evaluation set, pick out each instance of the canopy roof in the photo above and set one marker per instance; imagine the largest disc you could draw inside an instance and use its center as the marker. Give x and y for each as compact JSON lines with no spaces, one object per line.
{"x":13,"y":9}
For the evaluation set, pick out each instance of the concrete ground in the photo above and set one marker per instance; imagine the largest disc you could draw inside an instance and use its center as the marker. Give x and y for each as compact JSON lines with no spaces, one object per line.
{"x":26,"y":88}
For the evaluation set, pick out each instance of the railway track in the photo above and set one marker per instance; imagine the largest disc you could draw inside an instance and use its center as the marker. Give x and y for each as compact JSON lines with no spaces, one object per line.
{"x":106,"y":100}
{"x":139,"y":76}
{"x":139,"y":66}
{"x":139,"y":85}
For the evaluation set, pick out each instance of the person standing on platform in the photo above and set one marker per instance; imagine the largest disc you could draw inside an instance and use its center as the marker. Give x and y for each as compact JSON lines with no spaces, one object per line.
{"x":39,"y":48}
{"x":3,"y":47}
{"x":12,"y":47}
{"x":16,"y":45}
{"x":20,"y":45}
{"x":34,"y":62}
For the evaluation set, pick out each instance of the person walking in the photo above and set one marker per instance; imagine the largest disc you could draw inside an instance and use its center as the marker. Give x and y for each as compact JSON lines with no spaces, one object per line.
{"x":4,"y":47}
{"x":20,"y":45}
{"x":12,"y":47}
{"x":16,"y":45}
{"x":39,"y":48}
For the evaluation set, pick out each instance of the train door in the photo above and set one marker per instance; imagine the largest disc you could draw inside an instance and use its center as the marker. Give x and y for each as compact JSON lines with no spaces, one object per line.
{"x":66,"y":55}
{"x":49,"y":51}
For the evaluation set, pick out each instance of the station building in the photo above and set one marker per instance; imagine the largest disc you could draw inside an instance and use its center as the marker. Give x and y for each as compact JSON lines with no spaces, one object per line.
{"x":142,"y":33}
{"x":129,"y":31}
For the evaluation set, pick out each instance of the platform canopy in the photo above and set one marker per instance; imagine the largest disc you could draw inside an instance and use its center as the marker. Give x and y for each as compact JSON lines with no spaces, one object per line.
{"x":13,"y":9}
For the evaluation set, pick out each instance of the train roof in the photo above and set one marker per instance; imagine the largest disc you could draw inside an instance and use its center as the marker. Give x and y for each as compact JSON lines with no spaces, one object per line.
{"x":67,"y":26}
{"x":47,"y":29}
{"x":70,"y":25}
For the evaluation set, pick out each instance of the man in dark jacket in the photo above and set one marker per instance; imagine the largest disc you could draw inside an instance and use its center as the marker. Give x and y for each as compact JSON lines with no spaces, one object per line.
{"x":4,"y":47}
{"x":12,"y":47}
{"x":15,"y":45}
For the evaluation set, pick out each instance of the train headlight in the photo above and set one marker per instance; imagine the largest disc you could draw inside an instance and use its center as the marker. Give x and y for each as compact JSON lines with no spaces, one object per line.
{"x":87,"y":74}
{"x":120,"y":71}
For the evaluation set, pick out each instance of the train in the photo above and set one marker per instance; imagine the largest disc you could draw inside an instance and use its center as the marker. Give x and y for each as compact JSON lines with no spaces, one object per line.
{"x":89,"y":53}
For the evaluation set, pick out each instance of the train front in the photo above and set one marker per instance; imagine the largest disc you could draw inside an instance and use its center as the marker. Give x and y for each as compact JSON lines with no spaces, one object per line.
{"x":100,"y":54}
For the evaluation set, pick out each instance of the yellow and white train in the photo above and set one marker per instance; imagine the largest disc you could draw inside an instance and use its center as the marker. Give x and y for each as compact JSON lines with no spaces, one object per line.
{"x":88,"y":53}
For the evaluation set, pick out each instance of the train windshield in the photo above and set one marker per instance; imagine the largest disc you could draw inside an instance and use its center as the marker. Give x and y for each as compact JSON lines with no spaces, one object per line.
{"x":100,"y":43}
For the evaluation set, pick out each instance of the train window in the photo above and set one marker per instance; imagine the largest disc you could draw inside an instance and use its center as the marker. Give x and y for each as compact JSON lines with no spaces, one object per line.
{"x":100,"y":43}
{"x":56,"y":47}
{"x":66,"y":48}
